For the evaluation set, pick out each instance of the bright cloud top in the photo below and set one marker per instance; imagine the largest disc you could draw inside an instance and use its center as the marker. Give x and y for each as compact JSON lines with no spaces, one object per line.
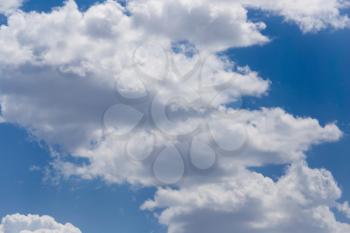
{"x":80,"y":80}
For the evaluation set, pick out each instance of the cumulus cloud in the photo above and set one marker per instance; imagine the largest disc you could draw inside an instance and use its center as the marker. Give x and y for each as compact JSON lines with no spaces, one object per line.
{"x":310,"y":16}
{"x":227,"y":19}
{"x":205,"y":23}
{"x":60,"y":87}
{"x":300,"y":201}
{"x":141,"y":95}
{"x":270,"y":136}
{"x":8,"y":6}
{"x":18,"y":223}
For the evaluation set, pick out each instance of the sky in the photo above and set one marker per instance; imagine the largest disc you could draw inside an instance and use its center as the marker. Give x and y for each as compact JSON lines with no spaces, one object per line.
{"x":56,"y":81}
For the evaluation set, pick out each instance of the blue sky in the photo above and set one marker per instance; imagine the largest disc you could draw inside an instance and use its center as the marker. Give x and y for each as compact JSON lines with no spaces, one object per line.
{"x":310,"y":77}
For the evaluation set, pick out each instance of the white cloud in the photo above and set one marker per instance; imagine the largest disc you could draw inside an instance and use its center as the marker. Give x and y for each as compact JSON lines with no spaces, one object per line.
{"x":59,"y":87}
{"x":300,"y":201}
{"x":8,"y":6}
{"x":205,"y":23}
{"x":344,"y":208}
{"x":18,"y":223}
{"x":271,"y":137}
{"x":310,"y":16}
{"x":227,"y":20}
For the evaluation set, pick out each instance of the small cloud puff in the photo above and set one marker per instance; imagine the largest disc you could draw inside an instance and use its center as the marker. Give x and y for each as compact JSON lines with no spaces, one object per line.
{"x":18,"y":223}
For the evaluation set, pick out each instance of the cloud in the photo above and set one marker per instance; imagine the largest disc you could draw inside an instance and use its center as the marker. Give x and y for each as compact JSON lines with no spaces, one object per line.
{"x":204,"y":23}
{"x":344,"y":208}
{"x":271,"y":136}
{"x":18,"y":223}
{"x":60,"y":88}
{"x":227,"y":20}
{"x":310,"y":16}
{"x":8,"y":6}
{"x":140,"y":94}
{"x":300,"y":201}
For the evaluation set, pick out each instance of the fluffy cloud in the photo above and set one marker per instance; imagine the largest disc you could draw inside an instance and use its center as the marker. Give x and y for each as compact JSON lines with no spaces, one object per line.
{"x":310,"y":16}
{"x":8,"y":6}
{"x":59,"y":87}
{"x":205,"y":23}
{"x":225,"y":23}
{"x":139,"y":93}
{"x":344,"y":208}
{"x":300,"y":201}
{"x":18,"y":223}
{"x":271,"y":136}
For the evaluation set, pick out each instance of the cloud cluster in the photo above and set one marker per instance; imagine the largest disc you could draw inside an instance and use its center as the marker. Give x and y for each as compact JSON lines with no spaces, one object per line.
{"x":140,"y":94}
{"x":18,"y":223}
{"x":60,"y":70}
